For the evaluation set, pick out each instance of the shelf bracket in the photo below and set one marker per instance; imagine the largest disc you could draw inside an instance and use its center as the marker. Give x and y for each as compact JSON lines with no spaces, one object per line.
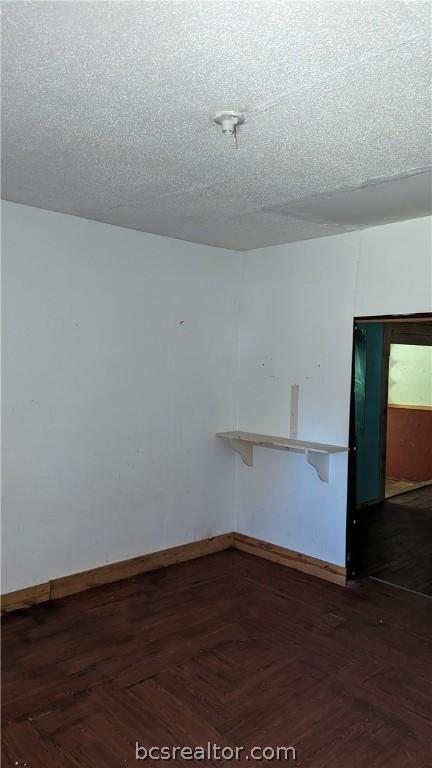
{"x":316,"y":454}
{"x":320,"y":462}
{"x":244,"y":449}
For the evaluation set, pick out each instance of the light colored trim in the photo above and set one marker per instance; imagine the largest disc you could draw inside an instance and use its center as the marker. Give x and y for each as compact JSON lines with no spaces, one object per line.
{"x":106,"y":574}
{"x":294,"y":407}
{"x":296,"y":560}
{"x":410,"y":407}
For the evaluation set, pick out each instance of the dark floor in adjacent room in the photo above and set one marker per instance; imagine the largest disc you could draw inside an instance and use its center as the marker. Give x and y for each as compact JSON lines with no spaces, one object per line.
{"x":228,"y":649}
{"x":397,"y":541}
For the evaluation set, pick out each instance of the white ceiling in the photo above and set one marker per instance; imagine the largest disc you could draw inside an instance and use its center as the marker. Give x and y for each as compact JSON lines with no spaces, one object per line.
{"x":107,"y":112}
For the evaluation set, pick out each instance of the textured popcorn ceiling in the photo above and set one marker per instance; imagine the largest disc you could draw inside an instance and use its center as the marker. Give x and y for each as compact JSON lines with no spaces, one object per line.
{"x":107,"y":112}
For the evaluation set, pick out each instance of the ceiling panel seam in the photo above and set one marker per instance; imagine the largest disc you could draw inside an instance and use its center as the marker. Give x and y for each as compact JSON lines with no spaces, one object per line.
{"x":328,"y":78}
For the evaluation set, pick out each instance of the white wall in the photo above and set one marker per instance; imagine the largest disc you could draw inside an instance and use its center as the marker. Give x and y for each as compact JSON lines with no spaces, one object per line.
{"x":410,"y":375}
{"x":297,"y":306}
{"x":119,"y":362}
{"x":112,"y":402}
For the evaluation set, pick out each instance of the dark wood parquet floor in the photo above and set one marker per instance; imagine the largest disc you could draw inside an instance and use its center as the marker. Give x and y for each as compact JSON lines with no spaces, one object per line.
{"x":397,"y":541}
{"x":228,"y":649}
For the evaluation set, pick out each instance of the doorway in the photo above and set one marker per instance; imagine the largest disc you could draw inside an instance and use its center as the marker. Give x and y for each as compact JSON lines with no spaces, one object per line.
{"x":389,"y":524}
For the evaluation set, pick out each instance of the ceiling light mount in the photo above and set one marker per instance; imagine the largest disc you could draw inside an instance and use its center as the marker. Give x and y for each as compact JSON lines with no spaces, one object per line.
{"x":228,"y":119}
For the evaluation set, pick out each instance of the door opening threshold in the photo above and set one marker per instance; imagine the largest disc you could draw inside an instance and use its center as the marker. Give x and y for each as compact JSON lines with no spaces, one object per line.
{"x":397,"y":586}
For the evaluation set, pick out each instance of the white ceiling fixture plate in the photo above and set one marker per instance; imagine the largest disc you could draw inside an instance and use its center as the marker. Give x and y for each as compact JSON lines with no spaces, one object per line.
{"x":229,"y":119}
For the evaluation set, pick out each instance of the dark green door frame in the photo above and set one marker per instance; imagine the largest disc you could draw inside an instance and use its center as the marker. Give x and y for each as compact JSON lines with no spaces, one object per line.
{"x":368,"y":397}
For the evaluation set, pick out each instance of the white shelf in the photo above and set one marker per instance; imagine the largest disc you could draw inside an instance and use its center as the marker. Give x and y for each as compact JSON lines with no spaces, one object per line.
{"x":317,"y":454}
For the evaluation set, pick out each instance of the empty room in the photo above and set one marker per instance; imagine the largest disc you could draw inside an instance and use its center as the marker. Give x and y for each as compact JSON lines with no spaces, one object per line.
{"x":216,"y":383}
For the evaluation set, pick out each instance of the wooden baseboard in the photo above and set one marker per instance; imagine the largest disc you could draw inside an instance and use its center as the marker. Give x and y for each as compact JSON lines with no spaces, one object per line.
{"x":105,"y":574}
{"x":296,"y":560}
{"x":125,"y":569}
{"x":23,"y":598}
